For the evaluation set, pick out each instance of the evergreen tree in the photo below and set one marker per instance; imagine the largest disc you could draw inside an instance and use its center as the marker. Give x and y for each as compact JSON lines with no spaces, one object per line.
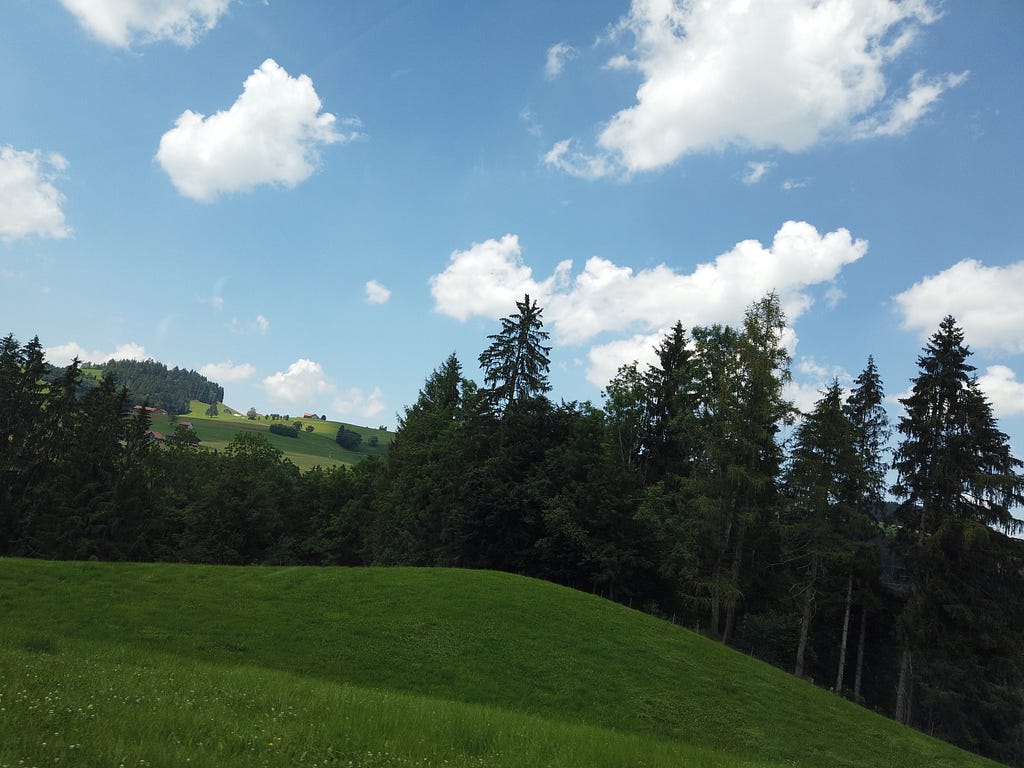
{"x":871,"y":428}
{"x":670,"y":439}
{"x":821,"y":485}
{"x":418,"y":500}
{"x":960,"y":665}
{"x":864,"y":408}
{"x":741,"y":409}
{"x":516,"y":363}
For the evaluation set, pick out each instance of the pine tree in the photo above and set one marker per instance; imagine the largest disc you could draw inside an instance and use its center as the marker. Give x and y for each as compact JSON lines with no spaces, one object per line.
{"x":959,"y":482}
{"x":741,"y":408}
{"x":870,"y":422}
{"x":670,"y":439}
{"x":516,"y":363}
{"x":821,"y":490}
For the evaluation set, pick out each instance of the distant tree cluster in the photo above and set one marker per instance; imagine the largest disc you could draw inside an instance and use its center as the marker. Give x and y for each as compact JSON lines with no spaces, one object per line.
{"x":348,"y":439}
{"x":172,"y":389}
{"x":679,"y":496}
{"x":284,"y":430}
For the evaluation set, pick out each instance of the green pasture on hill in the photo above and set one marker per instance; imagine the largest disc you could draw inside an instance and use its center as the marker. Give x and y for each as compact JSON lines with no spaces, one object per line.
{"x":126,"y":664}
{"x":306,"y":451}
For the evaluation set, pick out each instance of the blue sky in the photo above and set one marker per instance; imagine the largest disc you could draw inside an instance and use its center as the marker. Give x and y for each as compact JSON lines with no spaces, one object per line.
{"x":314,"y":203}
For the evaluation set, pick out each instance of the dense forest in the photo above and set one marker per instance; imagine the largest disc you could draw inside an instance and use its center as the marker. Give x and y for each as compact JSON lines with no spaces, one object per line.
{"x":696,"y":492}
{"x":171,"y":389}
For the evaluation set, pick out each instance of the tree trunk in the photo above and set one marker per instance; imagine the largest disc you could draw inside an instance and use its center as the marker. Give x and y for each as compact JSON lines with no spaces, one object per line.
{"x":860,"y":651}
{"x":903,"y":689}
{"x":730,"y":611}
{"x":846,"y":631}
{"x":716,"y":599}
{"x":805,"y":620}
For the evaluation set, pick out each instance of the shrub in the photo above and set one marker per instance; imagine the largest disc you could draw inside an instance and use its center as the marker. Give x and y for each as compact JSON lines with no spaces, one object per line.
{"x":348,"y":439}
{"x":284,"y":430}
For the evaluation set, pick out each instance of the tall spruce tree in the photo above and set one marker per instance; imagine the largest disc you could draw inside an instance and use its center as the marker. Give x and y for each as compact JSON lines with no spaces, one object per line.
{"x":866,"y":412}
{"x":821,"y":489}
{"x":670,"y":438}
{"x":741,"y":409}
{"x":516,"y":363}
{"x":962,"y":629}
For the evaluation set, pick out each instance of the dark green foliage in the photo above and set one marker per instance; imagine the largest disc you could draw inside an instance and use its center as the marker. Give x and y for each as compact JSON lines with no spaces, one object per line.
{"x":348,"y":439}
{"x":169,"y":388}
{"x":822,"y":493}
{"x":516,"y":363}
{"x":676,"y":496}
{"x":962,"y":629}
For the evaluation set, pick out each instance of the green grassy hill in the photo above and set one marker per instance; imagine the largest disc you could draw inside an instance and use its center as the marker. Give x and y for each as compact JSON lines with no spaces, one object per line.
{"x":172,"y":665}
{"x":306,"y":451}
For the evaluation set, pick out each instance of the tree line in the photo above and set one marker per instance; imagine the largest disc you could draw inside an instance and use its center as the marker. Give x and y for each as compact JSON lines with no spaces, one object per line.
{"x":697,"y":492}
{"x":172,"y":389}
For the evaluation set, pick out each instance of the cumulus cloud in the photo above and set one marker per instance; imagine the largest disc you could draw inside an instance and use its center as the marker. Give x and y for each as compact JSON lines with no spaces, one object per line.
{"x":559,"y":55}
{"x":306,"y":383}
{"x":227,"y":372}
{"x":262,"y":324}
{"x":487,"y":279}
{"x":565,"y":156}
{"x":270,"y":135}
{"x":355,"y":401}
{"x":1004,"y":391}
{"x":377,"y":293}
{"x":119,"y":23}
{"x":907,"y":112}
{"x":781,"y":75}
{"x":30,"y":204}
{"x":63,"y":354}
{"x":303,"y":381}
{"x":755,"y":171}
{"x":637,"y":307}
{"x":987,"y":302}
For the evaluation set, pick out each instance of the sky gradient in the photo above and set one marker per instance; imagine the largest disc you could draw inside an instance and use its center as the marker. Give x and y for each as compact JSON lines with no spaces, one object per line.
{"x":315,"y":203}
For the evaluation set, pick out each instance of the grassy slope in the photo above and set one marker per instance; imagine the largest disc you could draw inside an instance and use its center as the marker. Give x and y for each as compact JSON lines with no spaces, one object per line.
{"x":288,"y":666}
{"x":305,"y":451}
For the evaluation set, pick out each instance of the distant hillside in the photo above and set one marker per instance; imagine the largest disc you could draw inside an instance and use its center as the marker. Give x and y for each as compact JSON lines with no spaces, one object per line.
{"x":171,"y":389}
{"x":314,"y":442}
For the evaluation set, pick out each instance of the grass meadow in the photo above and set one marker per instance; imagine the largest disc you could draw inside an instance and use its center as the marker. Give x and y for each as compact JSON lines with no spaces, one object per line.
{"x":176,"y":665}
{"x":306,"y":451}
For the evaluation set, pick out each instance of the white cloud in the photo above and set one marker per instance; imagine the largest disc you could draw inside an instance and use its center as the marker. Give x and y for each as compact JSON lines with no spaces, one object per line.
{"x":30,"y":204}
{"x":606,"y":298}
{"x":565,"y":157}
{"x":756,"y":171}
{"x":559,"y":55}
{"x":121,"y":22}
{"x":907,"y":112}
{"x":1000,"y":385}
{"x":63,"y":354}
{"x":227,"y":372}
{"x":377,"y":293}
{"x":791,"y":184}
{"x":355,"y":401}
{"x":270,"y":135}
{"x":486,"y":280}
{"x":303,"y":381}
{"x":987,"y":302}
{"x":784,"y":75}
{"x":306,"y":383}
{"x":604,"y":360}
{"x":262,"y":324}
